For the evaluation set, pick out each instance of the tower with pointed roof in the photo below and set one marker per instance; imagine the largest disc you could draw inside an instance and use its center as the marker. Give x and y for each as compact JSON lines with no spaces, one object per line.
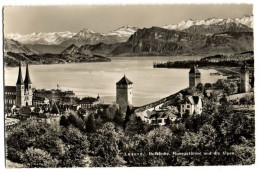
{"x":194,"y":77}
{"x":244,"y":79}
{"x":20,"y":89}
{"x":124,"y":93}
{"x":28,"y":93}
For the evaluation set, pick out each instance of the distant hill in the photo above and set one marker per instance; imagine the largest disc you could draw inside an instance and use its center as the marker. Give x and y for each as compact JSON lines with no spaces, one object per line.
{"x":159,"y":41}
{"x":218,"y":28}
{"x":13,"y":59}
{"x":16,"y":47}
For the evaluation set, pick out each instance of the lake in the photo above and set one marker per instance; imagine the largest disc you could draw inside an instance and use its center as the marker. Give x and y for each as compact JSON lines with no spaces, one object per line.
{"x":91,"y":79}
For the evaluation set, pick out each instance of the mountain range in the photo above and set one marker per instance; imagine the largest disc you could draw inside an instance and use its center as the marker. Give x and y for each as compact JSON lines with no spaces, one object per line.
{"x":189,"y":37}
{"x":246,"y":20}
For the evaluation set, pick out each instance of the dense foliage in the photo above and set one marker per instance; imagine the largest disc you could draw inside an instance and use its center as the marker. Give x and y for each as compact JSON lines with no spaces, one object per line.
{"x":221,"y":135}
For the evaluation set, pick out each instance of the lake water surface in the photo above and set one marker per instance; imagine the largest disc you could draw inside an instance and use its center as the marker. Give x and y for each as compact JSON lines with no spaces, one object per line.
{"x":91,"y":79}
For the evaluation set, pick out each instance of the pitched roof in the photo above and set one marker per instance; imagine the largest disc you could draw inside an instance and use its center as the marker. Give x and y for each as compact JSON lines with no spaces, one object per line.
{"x":27,"y":79}
{"x":124,"y":81}
{"x":20,"y":76}
{"x":161,"y":114}
{"x":88,"y":100}
{"x":192,"y":99}
{"x":194,"y":70}
{"x":196,"y":99}
{"x":38,"y":98}
{"x":10,"y":88}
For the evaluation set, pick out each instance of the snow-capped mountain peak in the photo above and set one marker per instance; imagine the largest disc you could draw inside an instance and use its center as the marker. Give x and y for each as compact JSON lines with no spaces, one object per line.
{"x":246,"y":20}
{"x":124,"y":31}
{"x":41,"y":38}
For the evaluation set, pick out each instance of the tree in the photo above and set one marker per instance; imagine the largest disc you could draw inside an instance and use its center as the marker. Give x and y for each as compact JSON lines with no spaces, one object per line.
{"x":76,"y":148}
{"x":200,"y":87}
{"x":64,"y":121}
{"x":179,"y":98}
{"x":207,"y":85}
{"x":38,"y":158}
{"x":23,"y":136}
{"x":190,"y":91}
{"x":75,"y":120}
{"x":127,"y":116}
{"x":207,"y":136}
{"x":223,"y":100}
{"x":135,"y":125}
{"x":72,"y":118}
{"x":111,"y":111}
{"x":230,"y":88}
{"x":51,"y":143}
{"x":160,"y":140}
{"x":67,"y":145}
{"x":104,"y":147}
{"x":119,"y":118}
{"x":220,"y":84}
{"x":91,"y":123}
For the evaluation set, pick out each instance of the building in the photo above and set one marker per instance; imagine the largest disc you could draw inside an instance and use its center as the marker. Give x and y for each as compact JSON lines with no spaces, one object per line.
{"x":39,"y":101}
{"x":192,"y":104}
{"x":124,"y":93}
{"x":21,"y":94}
{"x":244,"y":79}
{"x":10,"y":97}
{"x":161,"y":117}
{"x":90,"y":103}
{"x":194,"y":77}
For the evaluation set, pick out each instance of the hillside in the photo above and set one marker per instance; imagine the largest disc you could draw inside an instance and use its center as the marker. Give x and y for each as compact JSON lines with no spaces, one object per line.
{"x":13,"y":59}
{"x":159,"y":41}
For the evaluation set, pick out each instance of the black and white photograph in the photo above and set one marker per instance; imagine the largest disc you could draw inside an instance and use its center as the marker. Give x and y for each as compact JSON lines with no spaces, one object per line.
{"x":128,"y":85}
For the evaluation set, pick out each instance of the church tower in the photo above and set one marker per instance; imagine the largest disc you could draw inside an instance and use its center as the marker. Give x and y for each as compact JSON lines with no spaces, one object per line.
{"x":27,"y":88}
{"x":244,"y":79}
{"x":194,"y":77}
{"x":124,"y":93}
{"x":20,"y":89}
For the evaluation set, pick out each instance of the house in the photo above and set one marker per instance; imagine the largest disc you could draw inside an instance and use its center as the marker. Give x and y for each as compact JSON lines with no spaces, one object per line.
{"x":192,"y":104}
{"x":89,"y":103}
{"x":38,"y":101}
{"x":10,"y":97}
{"x":161,"y":117}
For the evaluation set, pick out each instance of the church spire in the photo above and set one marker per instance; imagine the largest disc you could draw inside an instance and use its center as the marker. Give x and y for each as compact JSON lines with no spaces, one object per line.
{"x":27,"y":79}
{"x":20,"y":76}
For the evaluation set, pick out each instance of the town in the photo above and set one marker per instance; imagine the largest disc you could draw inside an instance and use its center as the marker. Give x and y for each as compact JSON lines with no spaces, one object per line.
{"x":23,"y":101}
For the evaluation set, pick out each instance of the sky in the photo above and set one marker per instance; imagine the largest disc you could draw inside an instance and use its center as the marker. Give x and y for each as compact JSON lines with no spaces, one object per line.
{"x":102,"y":19}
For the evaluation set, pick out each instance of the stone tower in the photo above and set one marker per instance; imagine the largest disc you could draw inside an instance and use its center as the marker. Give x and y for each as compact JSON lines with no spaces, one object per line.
{"x":124,"y":93}
{"x":244,"y":79}
{"x":194,"y":77}
{"x":27,"y":88}
{"x":20,"y":89}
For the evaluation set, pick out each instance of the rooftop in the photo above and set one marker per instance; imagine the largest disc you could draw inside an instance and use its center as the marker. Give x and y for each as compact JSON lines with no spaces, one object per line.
{"x":124,"y":81}
{"x":88,"y":100}
{"x":10,"y":88}
{"x":192,"y":99}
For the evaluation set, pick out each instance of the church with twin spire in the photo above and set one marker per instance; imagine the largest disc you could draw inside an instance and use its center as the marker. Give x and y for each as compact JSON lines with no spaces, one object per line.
{"x":21,"y":94}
